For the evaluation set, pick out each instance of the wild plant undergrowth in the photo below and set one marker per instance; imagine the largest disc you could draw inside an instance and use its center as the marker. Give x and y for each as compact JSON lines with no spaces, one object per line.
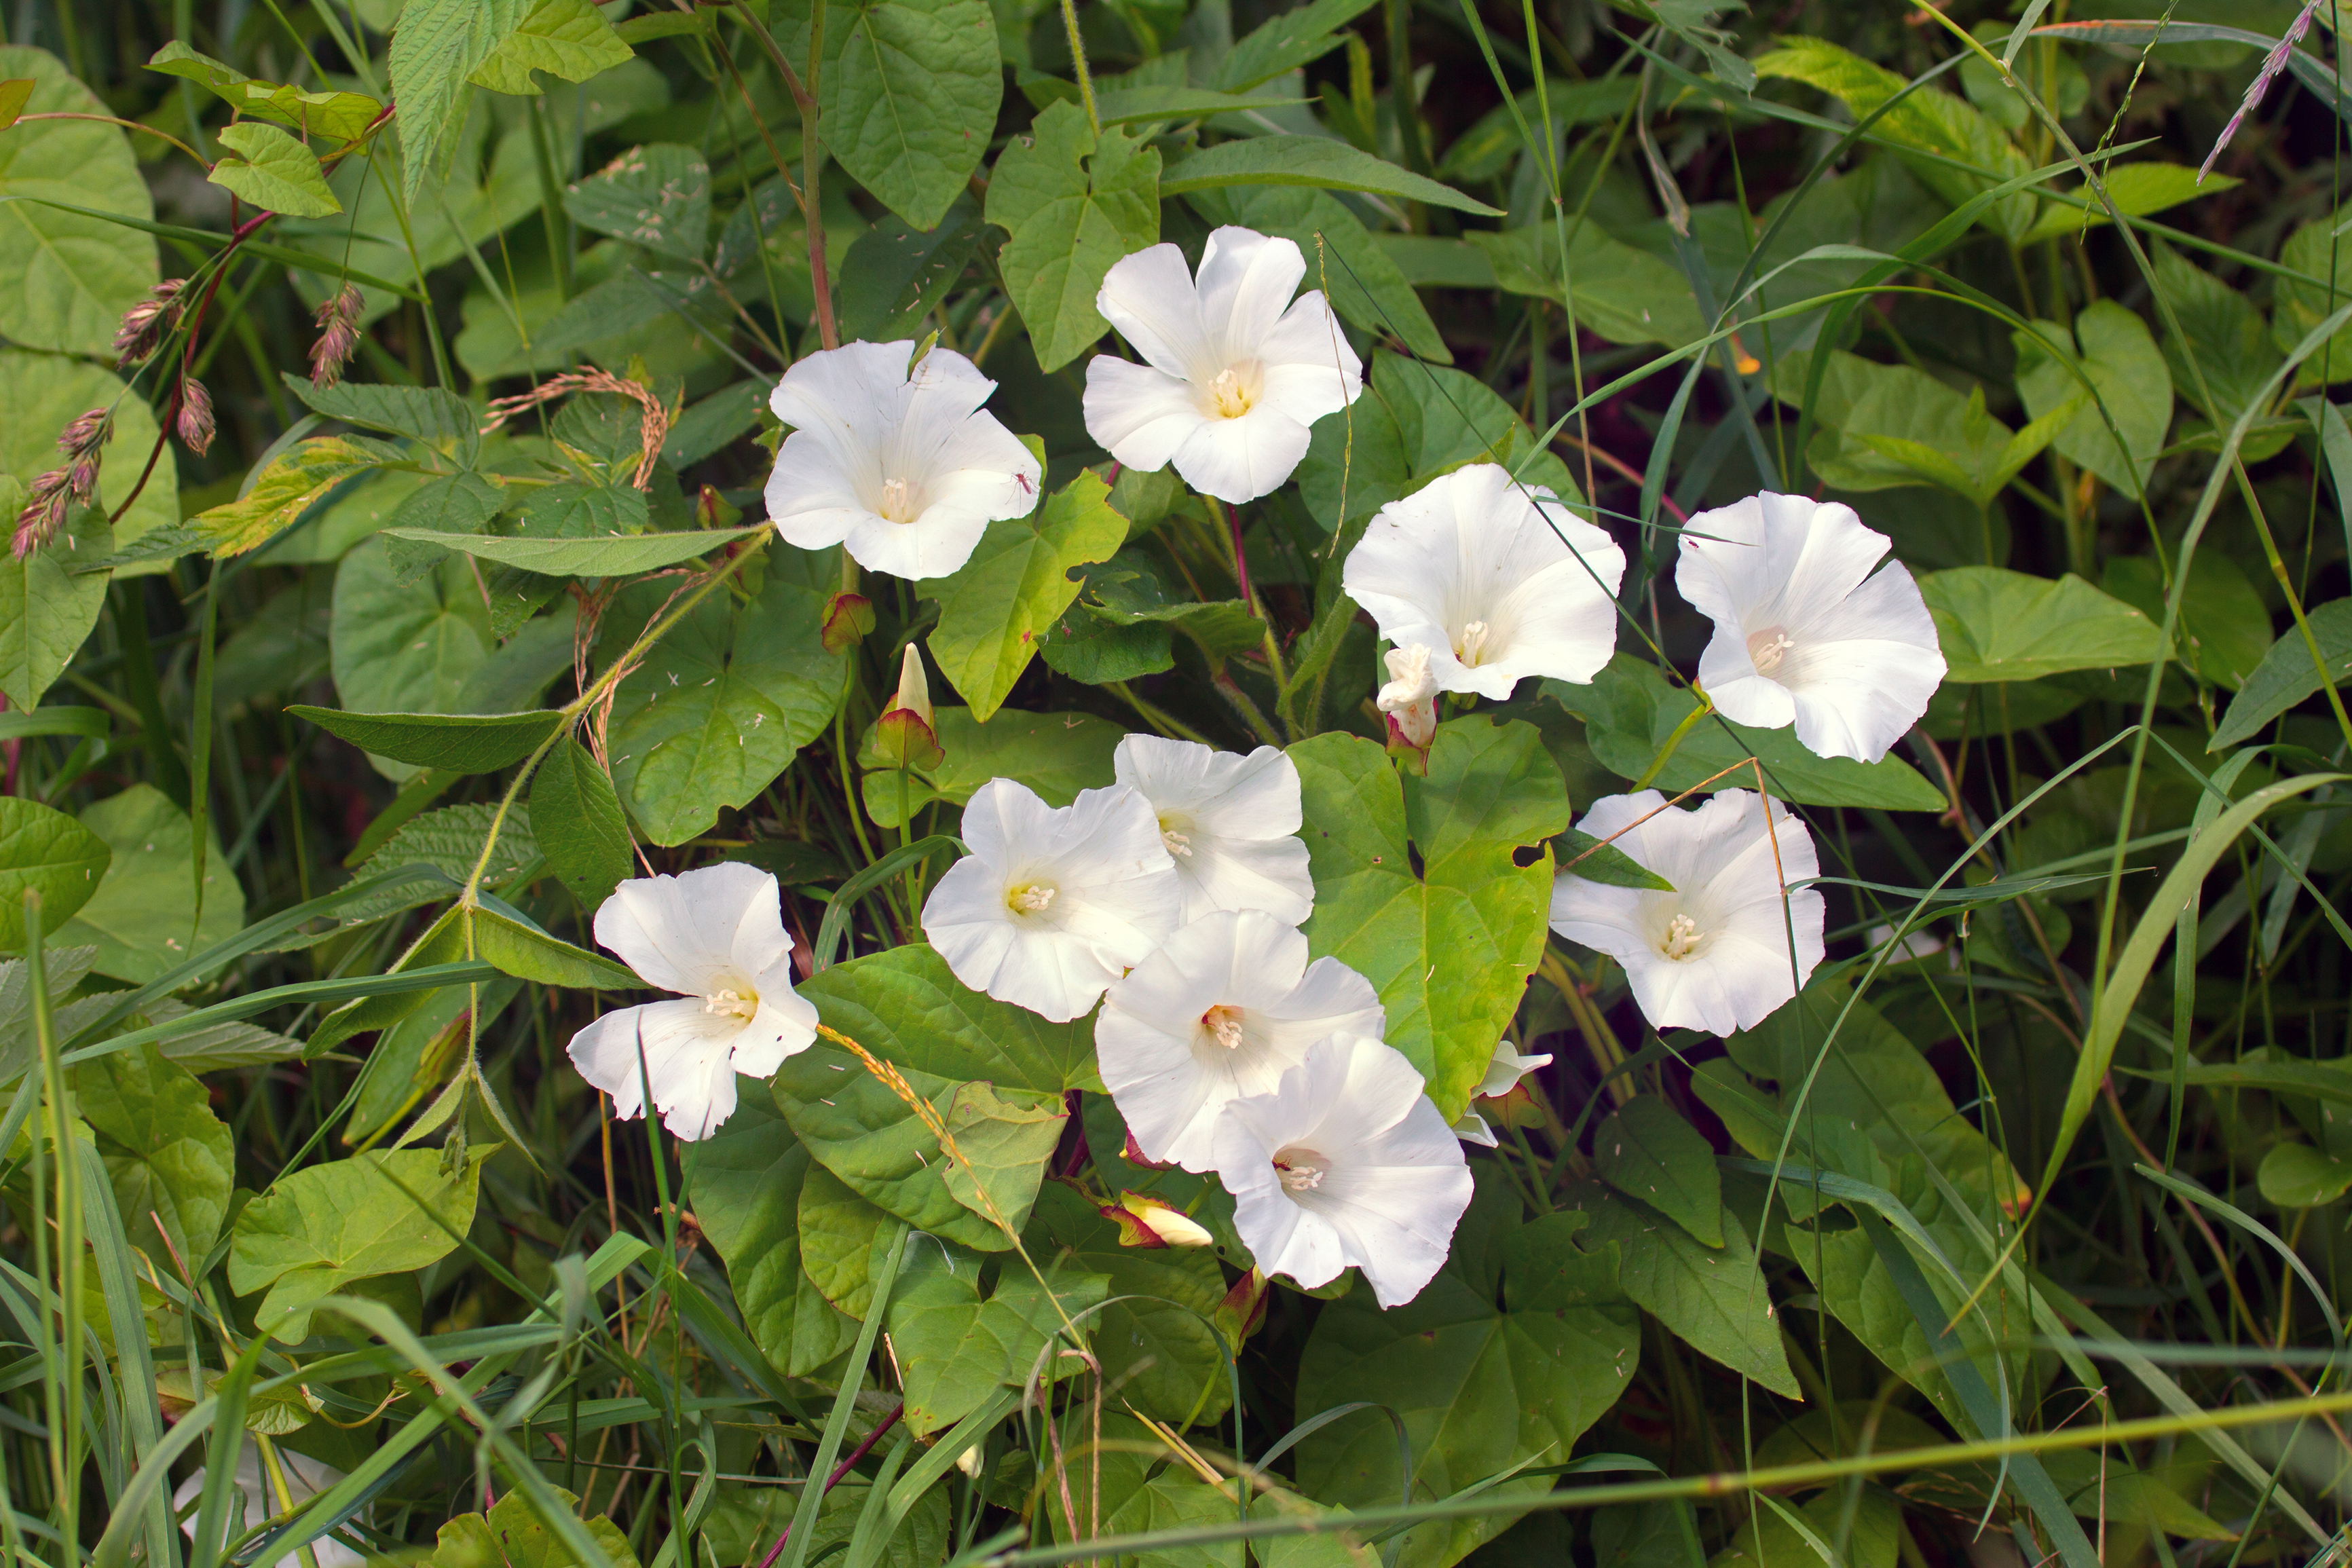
{"x":1147,"y":781}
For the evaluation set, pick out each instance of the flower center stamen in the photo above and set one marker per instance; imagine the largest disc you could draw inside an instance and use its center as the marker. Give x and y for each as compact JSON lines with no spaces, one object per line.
{"x":1231,"y":398}
{"x":1034,"y":899}
{"x":1301,"y":1170}
{"x":730,"y":1003}
{"x":1768,"y":649}
{"x":1175,"y":843}
{"x":1225,"y":1023}
{"x":1470,"y":648}
{"x":1682,"y":939}
{"x":898,"y":501}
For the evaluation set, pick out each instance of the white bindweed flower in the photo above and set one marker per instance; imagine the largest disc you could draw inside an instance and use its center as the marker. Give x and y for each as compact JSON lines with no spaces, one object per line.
{"x":717,"y":936}
{"x":1345,"y":1162}
{"x":1503,"y":1075}
{"x":1803,"y":633}
{"x":305,"y":1478}
{"x":1052,"y":905}
{"x":1234,"y":370}
{"x":1223,"y":1009}
{"x":1496,"y":585}
{"x":1229,"y":821}
{"x":903,"y":468}
{"x":1409,"y":701}
{"x":1714,"y":954}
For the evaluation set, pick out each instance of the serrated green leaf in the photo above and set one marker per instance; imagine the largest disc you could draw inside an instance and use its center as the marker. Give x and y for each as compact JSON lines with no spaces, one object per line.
{"x":1998,"y":625}
{"x":1450,"y":949}
{"x":1075,"y":203}
{"x":325,"y":1226}
{"x":289,"y":487}
{"x":273,"y":172}
{"x":657,"y":195}
{"x":995,"y":607}
{"x":1285,"y":159}
{"x":46,"y":851}
{"x":437,"y":44}
{"x":66,"y":277}
{"x":1629,"y":711}
{"x":441,"y":420}
{"x":455,"y":743}
{"x":338,"y":116}
{"x":565,"y":38}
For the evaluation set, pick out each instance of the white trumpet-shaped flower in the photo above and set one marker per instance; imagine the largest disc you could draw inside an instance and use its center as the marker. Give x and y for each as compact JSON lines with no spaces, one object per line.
{"x":1503,"y":1075}
{"x":305,"y":1477}
{"x":717,"y":937}
{"x":1498,"y":586}
{"x":1714,"y":954}
{"x":1223,"y":1009}
{"x":1229,"y":821}
{"x":1345,"y":1162}
{"x":901,"y":465}
{"x":1053,"y":904}
{"x":1235,"y":371}
{"x":1803,"y":633}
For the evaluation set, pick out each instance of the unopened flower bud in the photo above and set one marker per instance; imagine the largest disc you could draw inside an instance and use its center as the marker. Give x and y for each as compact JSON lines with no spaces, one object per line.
{"x":1146,"y":1222}
{"x":904,"y":734}
{"x":196,"y":422}
{"x":712,"y":509}
{"x":1409,"y":701}
{"x":848,"y":621}
{"x":134,"y":337}
{"x":1243,"y":1309}
{"x":81,"y":479}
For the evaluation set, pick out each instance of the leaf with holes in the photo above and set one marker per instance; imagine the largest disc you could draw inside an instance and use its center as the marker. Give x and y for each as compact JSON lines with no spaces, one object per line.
{"x":1420,"y":886}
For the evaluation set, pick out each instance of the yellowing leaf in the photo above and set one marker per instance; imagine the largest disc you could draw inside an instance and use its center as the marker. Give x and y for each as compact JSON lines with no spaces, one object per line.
{"x":286,"y":490}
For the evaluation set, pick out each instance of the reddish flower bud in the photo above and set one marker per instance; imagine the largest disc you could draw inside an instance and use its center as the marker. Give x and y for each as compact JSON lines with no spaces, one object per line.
{"x":1145,"y":1221}
{"x":196,"y":422}
{"x":848,"y":620}
{"x":44,"y":514}
{"x":338,"y":336}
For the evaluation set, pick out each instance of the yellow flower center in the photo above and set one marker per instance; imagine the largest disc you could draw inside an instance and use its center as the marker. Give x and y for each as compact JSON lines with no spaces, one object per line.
{"x":1470,"y":648}
{"x":1682,"y":939}
{"x":730,"y":1003}
{"x":1301,"y":1170}
{"x":898,"y":501}
{"x":1034,"y":899}
{"x":1225,"y":1025}
{"x":1768,"y":649}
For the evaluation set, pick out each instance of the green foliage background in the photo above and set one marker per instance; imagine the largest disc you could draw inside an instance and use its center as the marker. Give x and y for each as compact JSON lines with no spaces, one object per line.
{"x":2017,"y":1237}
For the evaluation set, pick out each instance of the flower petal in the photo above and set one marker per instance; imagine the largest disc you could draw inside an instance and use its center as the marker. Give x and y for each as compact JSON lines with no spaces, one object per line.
{"x":1150,"y":298}
{"x":1240,"y":459}
{"x":1138,"y":413}
{"x":1245,"y":281}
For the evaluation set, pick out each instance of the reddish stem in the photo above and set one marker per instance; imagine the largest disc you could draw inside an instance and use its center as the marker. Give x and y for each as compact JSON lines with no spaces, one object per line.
{"x":833,"y":1479}
{"x":1241,"y":557}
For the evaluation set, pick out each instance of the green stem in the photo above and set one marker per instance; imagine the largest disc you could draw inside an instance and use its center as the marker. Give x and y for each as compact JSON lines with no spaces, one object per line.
{"x":1078,"y":63}
{"x":1682,"y":731}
